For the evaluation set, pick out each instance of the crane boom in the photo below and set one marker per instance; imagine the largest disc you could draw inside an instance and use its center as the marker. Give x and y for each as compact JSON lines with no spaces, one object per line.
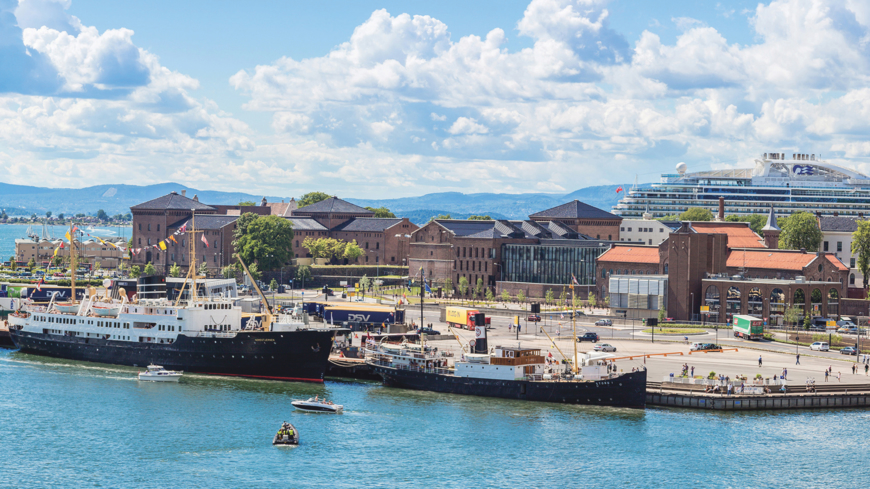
{"x":268,"y":320}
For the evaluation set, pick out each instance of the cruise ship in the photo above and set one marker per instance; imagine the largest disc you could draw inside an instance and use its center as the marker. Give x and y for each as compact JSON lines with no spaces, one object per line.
{"x":788,"y":183}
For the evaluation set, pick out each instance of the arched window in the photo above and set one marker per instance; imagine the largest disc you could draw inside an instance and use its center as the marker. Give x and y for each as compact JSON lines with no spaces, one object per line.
{"x":851,"y":279}
{"x":732,"y":301}
{"x":711,"y":300}
{"x":755,"y":302}
{"x":833,"y":302}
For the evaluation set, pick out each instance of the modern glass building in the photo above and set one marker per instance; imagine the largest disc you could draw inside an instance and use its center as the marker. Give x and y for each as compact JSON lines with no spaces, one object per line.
{"x":551,"y":263}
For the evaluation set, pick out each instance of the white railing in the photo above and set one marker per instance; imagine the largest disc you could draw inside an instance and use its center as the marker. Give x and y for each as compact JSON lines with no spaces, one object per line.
{"x":722,"y":383}
{"x":209,"y":334}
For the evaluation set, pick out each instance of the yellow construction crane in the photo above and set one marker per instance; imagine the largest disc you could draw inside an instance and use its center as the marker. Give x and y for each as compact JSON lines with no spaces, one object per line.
{"x":269,"y":318}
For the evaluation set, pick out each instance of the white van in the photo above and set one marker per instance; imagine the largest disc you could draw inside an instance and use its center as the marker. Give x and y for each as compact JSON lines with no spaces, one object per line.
{"x":820,"y":346}
{"x":697,"y":346}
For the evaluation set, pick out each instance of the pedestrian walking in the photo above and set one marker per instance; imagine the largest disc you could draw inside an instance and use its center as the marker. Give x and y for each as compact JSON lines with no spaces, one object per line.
{"x":759,"y":360}
{"x":785,"y":373}
{"x":798,"y":359}
{"x":693,"y":371}
{"x":853,"y":368}
{"x":838,"y":377}
{"x":826,"y":375}
{"x":866,"y":369}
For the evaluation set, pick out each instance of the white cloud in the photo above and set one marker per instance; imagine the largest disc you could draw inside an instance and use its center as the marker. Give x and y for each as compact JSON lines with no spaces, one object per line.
{"x":464,"y":125}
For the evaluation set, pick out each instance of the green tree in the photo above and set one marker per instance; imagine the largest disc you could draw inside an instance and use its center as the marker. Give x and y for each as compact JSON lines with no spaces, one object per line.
{"x":241,"y":228}
{"x":696,"y":214}
{"x":101,"y":215}
{"x":303,"y":274}
{"x":489,"y":295}
{"x":607,"y":301}
{"x":792,"y":315}
{"x":463,"y":286}
{"x":268,"y":241}
{"x":381,"y":212}
{"x":58,"y":260}
{"x":135,"y":271}
{"x":13,"y":263}
{"x":48,"y":214}
{"x":592,"y":300}
{"x":229,"y":271}
{"x":563,"y":296}
{"x":273,"y":285}
{"x":521,"y":296}
{"x":312,"y":198}
{"x":59,"y":216}
{"x":149,"y":270}
{"x":364,"y":283}
{"x":861,"y":247}
{"x":440,"y":216}
{"x":247,"y":203}
{"x":478,"y":288}
{"x":448,"y":285}
{"x":203,"y":269}
{"x":549,"y":296}
{"x":479,"y":218}
{"x":31,"y":264}
{"x":662,"y":312}
{"x":318,"y":248}
{"x":175,"y":270}
{"x":808,"y":321}
{"x":756,"y":221}
{"x":800,"y":230}
{"x":576,"y":301}
{"x":505,"y":295}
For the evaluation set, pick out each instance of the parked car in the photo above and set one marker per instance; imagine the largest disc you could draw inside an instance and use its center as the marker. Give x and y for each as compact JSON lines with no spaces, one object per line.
{"x":593,"y":337}
{"x":848,"y":329}
{"x":428,"y":331}
{"x":604,"y":322}
{"x":820,"y":346}
{"x":705,"y":346}
{"x":534,"y":318}
{"x":849,"y":350}
{"x":604,"y":347}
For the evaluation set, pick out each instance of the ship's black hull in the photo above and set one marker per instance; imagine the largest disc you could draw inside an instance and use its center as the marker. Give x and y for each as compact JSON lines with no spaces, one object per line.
{"x":293,"y":356}
{"x":628,"y":390}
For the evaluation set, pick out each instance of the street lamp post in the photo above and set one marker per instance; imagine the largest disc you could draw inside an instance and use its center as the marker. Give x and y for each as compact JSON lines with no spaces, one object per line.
{"x":692,"y":310}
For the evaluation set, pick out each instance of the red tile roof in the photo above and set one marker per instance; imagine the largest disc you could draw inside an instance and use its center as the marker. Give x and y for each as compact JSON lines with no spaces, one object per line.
{"x":836,"y":261}
{"x":770,"y":259}
{"x":740,"y":235}
{"x":631,"y":254}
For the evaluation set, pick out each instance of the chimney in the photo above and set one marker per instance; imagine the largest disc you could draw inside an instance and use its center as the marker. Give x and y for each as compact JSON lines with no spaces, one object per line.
{"x":721,"y":216}
{"x":195,"y":198}
{"x":804,"y":251}
{"x":184,"y":193}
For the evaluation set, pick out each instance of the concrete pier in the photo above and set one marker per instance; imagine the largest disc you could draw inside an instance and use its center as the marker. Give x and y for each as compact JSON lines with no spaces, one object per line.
{"x":751,"y":403}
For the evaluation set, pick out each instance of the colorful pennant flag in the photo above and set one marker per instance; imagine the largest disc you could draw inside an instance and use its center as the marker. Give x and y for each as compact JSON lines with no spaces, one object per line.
{"x":163,"y":245}
{"x":202,"y":238}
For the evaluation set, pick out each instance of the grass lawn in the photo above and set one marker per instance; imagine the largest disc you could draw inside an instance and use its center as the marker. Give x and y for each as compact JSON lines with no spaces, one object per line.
{"x":672,"y":330}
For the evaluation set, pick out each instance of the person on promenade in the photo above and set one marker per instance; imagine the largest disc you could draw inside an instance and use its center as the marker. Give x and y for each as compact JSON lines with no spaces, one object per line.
{"x":854,"y":367}
{"x":759,"y":361}
{"x":693,"y":371}
{"x":838,"y":377}
{"x":826,"y":375}
{"x":866,"y":369}
{"x":798,"y":359}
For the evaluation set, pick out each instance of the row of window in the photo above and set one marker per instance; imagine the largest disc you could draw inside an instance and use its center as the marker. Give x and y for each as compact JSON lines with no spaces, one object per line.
{"x":839,"y":246}
{"x":644,"y":230}
{"x":474,"y":266}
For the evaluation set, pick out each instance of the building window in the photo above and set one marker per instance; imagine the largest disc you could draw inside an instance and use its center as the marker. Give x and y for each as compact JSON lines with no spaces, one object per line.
{"x":622,"y":228}
{"x":140,"y":240}
{"x":839,"y":246}
{"x":149,"y":241}
{"x":609,"y":237}
{"x":158,"y":227}
{"x":149,"y":228}
{"x":826,"y":246}
{"x":851,"y":263}
{"x":851,"y":279}
{"x":378,"y":245}
{"x":392,"y":258}
{"x":629,"y":230}
{"x":140,"y":226}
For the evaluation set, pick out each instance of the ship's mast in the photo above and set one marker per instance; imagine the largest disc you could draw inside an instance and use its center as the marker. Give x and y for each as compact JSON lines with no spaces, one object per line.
{"x":73,"y":263}
{"x":193,"y":272}
{"x":574,"y":368}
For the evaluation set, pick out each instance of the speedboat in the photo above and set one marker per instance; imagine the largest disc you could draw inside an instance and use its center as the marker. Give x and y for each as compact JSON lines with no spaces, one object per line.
{"x":156,"y":373}
{"x":286,"y":435}
{"x":315,"y":405}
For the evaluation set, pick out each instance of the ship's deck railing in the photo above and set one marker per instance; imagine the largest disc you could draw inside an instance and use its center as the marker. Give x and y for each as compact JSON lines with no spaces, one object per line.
{"x":433,"y":370}
{"x":210,"y":334}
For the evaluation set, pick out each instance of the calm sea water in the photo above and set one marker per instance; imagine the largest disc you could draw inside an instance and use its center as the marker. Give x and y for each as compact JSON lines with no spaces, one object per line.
{"x":67,"y":424}
{"x":10,"y":232}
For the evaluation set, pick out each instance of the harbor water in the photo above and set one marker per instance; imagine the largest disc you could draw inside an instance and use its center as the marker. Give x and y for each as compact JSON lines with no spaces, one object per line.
{"x":66,"y":423}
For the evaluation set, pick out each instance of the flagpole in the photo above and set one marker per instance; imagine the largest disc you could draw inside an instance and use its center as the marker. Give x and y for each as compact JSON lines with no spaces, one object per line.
{"x":422,"y":285}
{"x":73,"y":262}
{"x":574,"y":322}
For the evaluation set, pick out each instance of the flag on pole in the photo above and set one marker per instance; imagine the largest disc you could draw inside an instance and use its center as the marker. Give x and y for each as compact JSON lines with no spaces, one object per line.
{"x":574,"y":281}
{"x":619,"y":189}
{"x":68,"y":237}
{"x":426,"y":284}
{"x":202,"y":238}
{"x":163,"y":245}
{"x":183,"y":228}
{"x":173,"y":239}
{"x":39,"y":284}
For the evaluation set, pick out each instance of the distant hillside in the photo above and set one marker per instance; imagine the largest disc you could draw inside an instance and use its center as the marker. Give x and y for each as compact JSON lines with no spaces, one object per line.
{"x":20,"y":200}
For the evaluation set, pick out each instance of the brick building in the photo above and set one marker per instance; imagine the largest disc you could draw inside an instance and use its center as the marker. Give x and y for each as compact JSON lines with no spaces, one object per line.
{"x":384,"y":241}
{"x":88,"y":250}
{"x":583,"y":218}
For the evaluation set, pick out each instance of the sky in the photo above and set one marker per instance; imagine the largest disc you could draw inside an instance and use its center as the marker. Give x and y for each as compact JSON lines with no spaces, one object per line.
{"x":392,"y":99}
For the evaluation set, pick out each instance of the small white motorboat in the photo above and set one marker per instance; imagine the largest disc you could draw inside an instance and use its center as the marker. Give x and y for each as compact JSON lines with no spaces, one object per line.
{"x":156,"y":373}
{"x":315,"y":405}
{"x":111,"y":311}
{"x":67,"y":307}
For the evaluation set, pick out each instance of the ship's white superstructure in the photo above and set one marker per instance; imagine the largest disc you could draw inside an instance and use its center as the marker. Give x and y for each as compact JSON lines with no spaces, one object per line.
{"x":803,"y":182}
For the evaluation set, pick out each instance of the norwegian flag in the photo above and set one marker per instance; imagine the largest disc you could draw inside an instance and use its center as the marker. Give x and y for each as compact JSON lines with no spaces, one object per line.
{"x":202,"y":238}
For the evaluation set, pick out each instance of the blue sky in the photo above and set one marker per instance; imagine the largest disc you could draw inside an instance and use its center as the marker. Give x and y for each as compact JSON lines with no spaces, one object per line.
{"x":367,"y":98}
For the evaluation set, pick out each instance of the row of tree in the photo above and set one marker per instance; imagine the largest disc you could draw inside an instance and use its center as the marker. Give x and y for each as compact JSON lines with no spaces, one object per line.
{"x":330,"y":248}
